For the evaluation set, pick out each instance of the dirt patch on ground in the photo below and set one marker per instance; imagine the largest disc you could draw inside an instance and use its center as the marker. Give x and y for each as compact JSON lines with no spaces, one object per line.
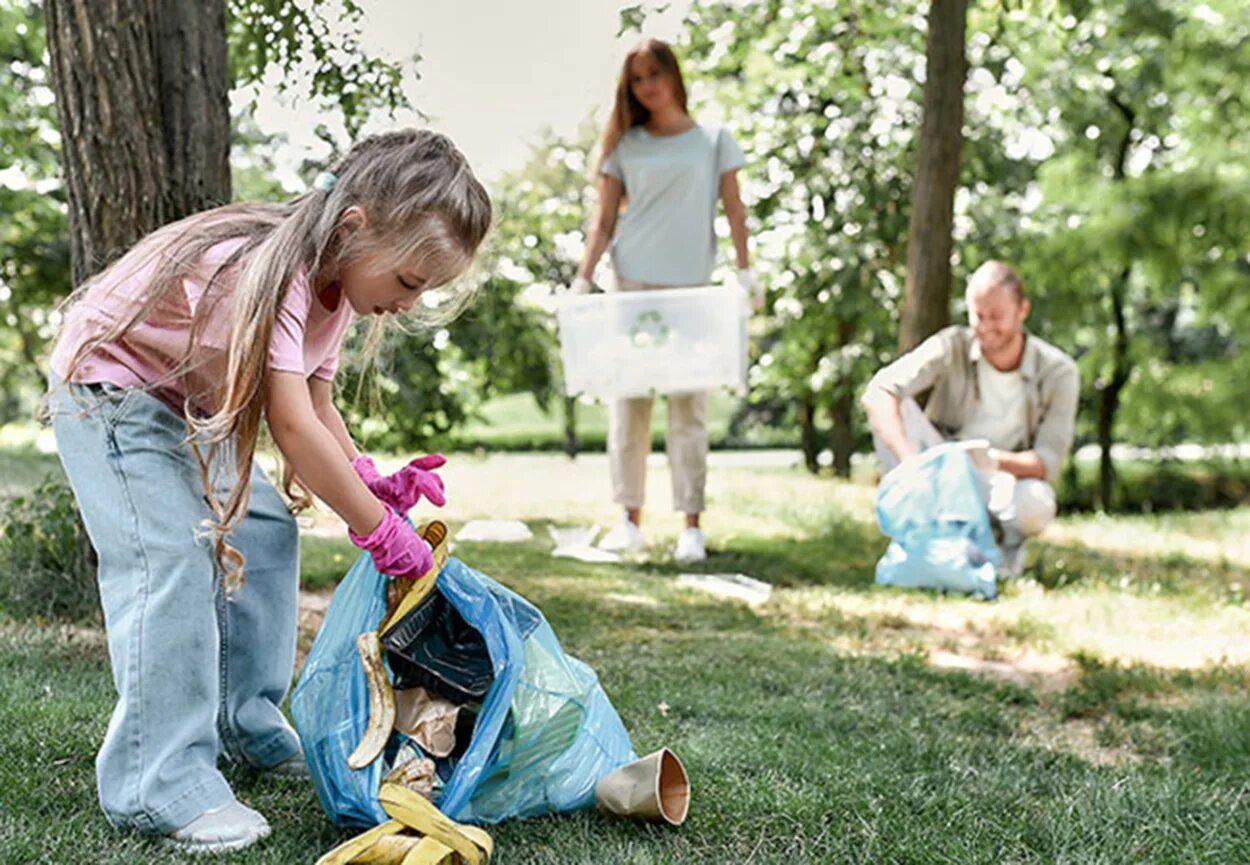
{"x":1079,"y":737}
{"x":1047,"y":674}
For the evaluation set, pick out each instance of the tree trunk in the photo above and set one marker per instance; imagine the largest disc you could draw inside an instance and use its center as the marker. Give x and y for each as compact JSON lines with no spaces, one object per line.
{"x":195,"y":103}
{"x":807,"y":434}
{"x":842,"y":434}
{"x":926,"y":302}
{"x":142,"y":98}
{"x":1121,"y":367}
{"x":570,"y":426}
{"x":1109,"y":393}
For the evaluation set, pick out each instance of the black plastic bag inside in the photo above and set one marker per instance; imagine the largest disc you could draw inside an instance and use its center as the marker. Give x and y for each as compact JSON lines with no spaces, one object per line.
{"x":433,"y":647}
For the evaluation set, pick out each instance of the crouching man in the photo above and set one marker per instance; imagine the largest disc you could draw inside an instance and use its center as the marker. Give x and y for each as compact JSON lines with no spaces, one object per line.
{"x":993,"y":383}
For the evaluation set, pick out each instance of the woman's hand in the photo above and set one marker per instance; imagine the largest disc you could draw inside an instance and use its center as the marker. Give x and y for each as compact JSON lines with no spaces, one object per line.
{"x":751,"y":287}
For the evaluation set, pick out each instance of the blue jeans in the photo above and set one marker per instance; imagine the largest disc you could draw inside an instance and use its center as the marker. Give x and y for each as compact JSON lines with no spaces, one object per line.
{"x":198,"y":675}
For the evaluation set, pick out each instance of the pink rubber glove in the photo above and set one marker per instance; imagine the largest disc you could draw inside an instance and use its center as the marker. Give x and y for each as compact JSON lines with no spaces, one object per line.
{"x":396,"y":549}
{"x":405,"y":488}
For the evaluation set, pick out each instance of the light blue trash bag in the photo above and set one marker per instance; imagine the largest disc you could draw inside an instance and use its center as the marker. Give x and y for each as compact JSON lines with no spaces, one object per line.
{"x":544,"y":735}
{"x":934,"y":513}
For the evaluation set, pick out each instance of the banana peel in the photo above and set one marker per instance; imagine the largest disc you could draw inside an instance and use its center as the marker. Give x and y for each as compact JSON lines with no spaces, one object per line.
{"x":381,"y":702}
{"x":473,"y":845}
{"x":417,"y":834}
{"x":369,"y":647}
{"x":405,"y":595}
{"x":352,"y":849}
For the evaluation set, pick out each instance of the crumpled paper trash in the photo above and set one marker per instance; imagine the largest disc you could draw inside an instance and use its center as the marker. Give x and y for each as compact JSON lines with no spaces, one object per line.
{"x":428,"y":718}
{"x":577,"y":542}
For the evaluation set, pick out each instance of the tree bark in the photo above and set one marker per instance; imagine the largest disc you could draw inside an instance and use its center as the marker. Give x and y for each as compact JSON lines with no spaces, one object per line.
{"x":807,"y":435}
{"x":926,"y":300}
{"x":842,"y":434}
{"x":570,"y":427}
{"x":1109,"y":387}
{"x":142,"y":98}
{"x":1109,"y":393}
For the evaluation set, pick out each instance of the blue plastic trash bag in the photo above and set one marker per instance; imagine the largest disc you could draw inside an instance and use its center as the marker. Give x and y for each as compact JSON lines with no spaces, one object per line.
{"x":940,"y":532}
{"x":544,"y":735}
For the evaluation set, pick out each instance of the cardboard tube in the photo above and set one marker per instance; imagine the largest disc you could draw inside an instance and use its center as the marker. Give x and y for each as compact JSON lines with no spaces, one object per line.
{"x":654,"y":787}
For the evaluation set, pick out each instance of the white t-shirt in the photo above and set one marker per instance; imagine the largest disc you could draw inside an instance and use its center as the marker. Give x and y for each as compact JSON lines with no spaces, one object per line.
{"x":1002,"y":412}
{"x":666,"y":235}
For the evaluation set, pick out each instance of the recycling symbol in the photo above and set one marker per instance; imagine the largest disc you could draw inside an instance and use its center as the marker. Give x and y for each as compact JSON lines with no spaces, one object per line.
{"x":649,"y":330}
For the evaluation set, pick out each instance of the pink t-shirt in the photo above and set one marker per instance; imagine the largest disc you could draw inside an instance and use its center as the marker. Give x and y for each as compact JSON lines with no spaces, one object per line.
{"x":306,"y":335}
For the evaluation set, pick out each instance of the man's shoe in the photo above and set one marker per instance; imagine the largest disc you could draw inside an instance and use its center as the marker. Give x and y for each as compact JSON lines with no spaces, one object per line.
{"x":625,"y":537}
{"x":1011,"y":565}
{"x":230,"y":827}
{"x":690,"y":546}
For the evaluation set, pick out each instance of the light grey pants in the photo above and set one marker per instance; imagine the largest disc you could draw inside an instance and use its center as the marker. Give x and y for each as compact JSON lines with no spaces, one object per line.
{"x":1022,"y":506}
{"x":197,"y":674}
{"x":629,"y":443}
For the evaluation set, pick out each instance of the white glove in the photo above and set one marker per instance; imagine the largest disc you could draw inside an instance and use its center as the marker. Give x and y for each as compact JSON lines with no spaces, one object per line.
{"x":981,"y":455}
{"x":581,"y":285}
{"x":750,"y":287}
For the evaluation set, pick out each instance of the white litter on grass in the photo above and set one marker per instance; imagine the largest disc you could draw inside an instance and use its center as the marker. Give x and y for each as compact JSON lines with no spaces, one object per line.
{"x":577,"y":542}
{"x":586,"y":554}
{"x":499,"y":531}
{"x":738,"y":587}
{"x":573,"y":536}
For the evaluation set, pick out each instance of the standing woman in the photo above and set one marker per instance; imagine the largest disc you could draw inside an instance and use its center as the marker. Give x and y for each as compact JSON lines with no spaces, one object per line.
{"x":671,"y":171}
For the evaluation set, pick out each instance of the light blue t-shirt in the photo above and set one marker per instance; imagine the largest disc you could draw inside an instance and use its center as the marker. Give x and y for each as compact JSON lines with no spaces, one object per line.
{"x":666,"y":235}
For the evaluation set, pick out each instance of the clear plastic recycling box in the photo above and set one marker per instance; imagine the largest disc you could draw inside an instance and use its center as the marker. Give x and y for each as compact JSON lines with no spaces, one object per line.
{"x":638,"y":343}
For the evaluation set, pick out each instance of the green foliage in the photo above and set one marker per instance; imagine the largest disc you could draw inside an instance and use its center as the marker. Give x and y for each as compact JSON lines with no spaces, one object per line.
{"x":1104,"y":153}
{"x":34,"y":242}
{"x":325,"y":57}
{"x":824,"y":99}
{"x":1136,"y":231}
{"x":48,"y":571}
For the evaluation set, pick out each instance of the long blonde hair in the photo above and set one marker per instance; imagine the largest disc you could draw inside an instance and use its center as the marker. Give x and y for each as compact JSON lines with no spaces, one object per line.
{"x":420,"y":200}
{"x":627,"y":111}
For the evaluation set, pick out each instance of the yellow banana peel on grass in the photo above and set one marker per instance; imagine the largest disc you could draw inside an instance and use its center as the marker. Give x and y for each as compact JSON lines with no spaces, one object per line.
{"x":417,"y":834}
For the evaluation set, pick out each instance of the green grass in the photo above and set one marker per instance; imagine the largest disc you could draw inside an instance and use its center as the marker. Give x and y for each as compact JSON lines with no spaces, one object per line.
{"x":1094,"y":720}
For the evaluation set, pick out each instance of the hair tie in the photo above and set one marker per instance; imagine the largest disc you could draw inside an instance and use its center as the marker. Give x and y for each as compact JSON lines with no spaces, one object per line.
{"x":325,"y":181}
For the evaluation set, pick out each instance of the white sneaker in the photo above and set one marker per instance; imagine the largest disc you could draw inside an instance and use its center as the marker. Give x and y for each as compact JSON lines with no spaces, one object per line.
{"x":624,"y":537}
{"x":690,"y":546}
{"x":230,"y":827}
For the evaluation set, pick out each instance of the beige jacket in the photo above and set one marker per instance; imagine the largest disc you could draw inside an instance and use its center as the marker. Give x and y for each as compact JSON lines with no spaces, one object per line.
{"x":945,"y":367}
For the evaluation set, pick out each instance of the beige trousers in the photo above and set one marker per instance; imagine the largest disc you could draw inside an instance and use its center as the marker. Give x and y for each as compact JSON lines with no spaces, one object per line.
{"x":1024,"y":506}
{"x":629,"y":443}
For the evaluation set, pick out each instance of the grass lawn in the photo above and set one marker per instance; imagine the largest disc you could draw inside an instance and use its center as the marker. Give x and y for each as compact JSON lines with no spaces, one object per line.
{"x":1097,"y":712}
